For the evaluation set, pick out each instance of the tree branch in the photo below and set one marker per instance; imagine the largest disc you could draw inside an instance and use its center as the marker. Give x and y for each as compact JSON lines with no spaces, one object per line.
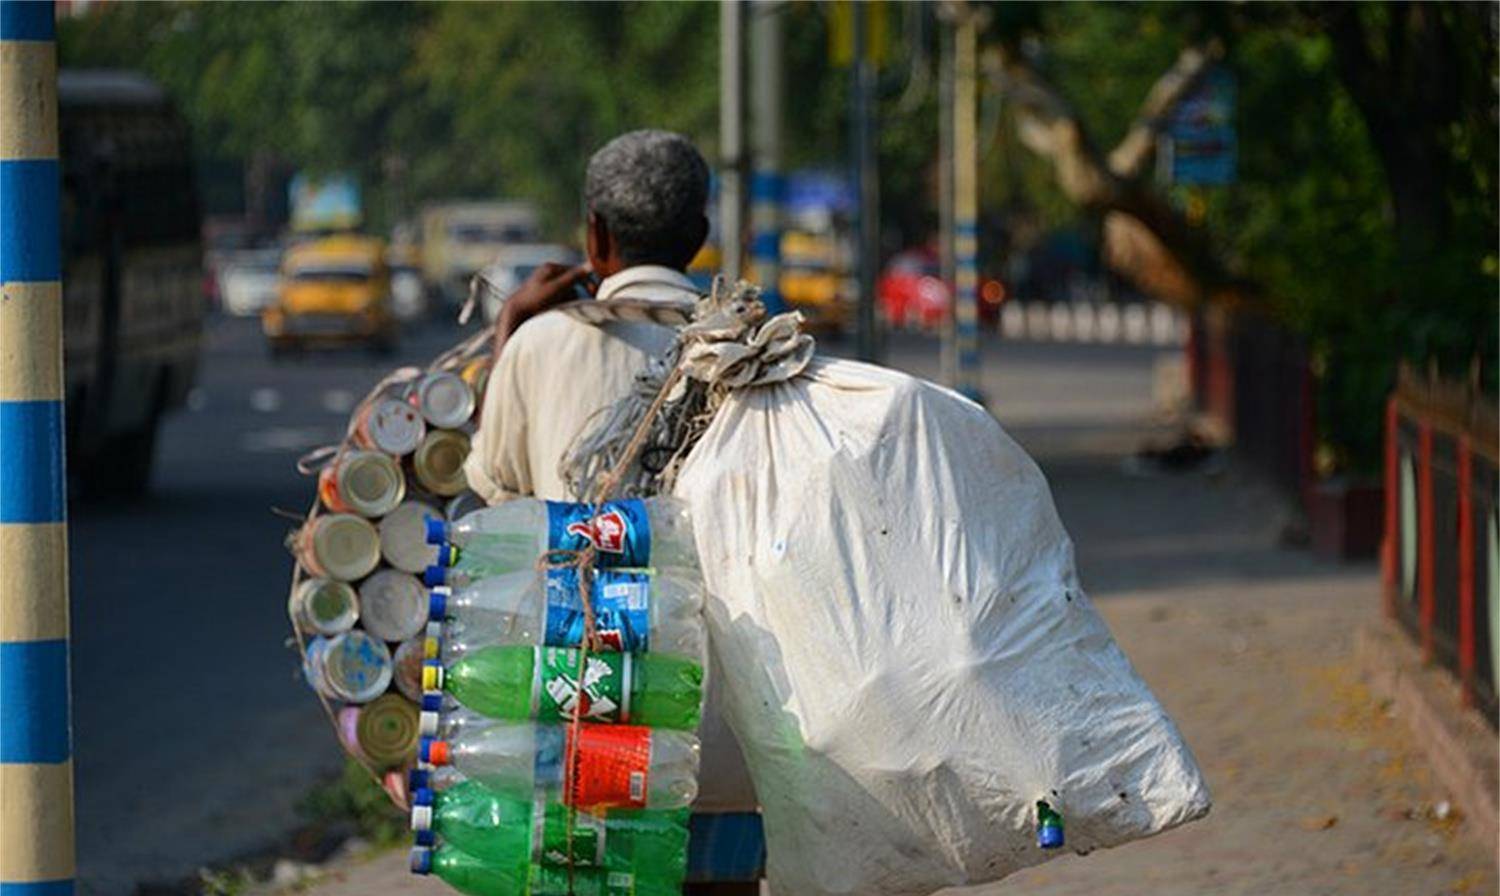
{"x":1162,"y":252}
{"x":1131,"y":157}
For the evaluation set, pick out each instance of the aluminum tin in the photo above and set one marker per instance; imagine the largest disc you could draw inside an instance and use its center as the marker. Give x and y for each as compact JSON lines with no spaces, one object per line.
{"x":389,"y":425}
{"x":408,"y":667}
{"x":321,"y":606}
{"x":387,"y":731}
{"x":338,"y":546}
{"x":356,"y":667}
{"x":445,"y":400}
{"x":439,"y":462}
{"x":366,"y":483}
{"x":477,"y":374}
{"x":403,"y":536}
{"x":393,"y":605}
{"x":463,"y":505}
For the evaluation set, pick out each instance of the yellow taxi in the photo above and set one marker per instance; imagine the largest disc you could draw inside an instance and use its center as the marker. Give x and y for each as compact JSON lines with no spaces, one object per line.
{"x":335,"y":289}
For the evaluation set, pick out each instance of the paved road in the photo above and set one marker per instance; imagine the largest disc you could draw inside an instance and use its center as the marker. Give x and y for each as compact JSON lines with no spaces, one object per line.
{"x":193,"y":737}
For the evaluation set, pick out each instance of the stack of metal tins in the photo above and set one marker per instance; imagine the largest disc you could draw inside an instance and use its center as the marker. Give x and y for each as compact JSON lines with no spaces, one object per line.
{"x":359,"y":604}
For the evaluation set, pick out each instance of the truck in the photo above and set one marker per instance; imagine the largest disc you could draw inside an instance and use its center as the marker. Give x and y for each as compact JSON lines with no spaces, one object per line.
{"x":132,"y":285}
{"x":460,"y":237}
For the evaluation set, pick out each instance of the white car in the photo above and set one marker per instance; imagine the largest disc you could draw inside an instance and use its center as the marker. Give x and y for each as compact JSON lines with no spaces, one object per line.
{"x":510,"y":268}
{"x":247,"y":281}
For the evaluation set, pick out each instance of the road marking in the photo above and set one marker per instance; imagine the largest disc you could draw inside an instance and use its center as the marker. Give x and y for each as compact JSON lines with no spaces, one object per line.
{"x":267,"y":401}
{"x":338,"y":401}
{"x":283,"y":439}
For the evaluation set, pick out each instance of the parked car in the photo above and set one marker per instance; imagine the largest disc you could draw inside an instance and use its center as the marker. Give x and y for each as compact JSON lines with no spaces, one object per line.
{"x":247,"y":281}
{"x":335,"y":289}
{"x":911,"y":291}
{"x":512,"y":265}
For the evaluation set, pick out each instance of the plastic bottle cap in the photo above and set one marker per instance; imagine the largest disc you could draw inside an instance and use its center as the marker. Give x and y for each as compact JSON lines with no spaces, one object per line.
{"x":437,"y":606}
{"x":432,"y":701}
{"x":422,"y":796}
{"x":425,"y":838}
{"x":421,"y":818}
{"x":417,"y":779}
{"x":421,"y":861}
{"x":434,"y":575}
{"x":428,"y":724}
{"x":447,"y":555}
{"x":437,"y":530}
{"x":432,"y":675}
{"x":437,"y":752}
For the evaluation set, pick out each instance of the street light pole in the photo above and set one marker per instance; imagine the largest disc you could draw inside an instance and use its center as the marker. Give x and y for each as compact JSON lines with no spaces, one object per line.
{"x":867,"y":344}
{"x":766,"y":184}
{"x":731,"y":138}
{"x":961,"y":211}
{"x":36,"y":767}
{"x":947,"y":264}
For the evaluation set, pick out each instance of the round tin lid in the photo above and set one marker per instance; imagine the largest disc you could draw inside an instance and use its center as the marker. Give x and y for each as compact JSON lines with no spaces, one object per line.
{"x":345,"y":546}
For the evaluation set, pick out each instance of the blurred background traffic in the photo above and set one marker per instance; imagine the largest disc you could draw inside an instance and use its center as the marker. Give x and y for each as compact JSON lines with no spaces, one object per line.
{"x":1255,"y":226}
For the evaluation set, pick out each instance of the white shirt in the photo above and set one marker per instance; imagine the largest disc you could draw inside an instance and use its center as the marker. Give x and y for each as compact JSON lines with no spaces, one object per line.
{"x":553,"y":374}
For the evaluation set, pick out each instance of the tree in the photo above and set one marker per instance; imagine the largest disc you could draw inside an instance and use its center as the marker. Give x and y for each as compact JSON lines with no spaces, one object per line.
{"x":1364,"y":215}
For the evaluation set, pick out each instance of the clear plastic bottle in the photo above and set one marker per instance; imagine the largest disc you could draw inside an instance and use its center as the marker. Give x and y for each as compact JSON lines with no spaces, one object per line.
{"x":510,"y":537}
{"x":617,"y":766}
{"x":634,"y":611}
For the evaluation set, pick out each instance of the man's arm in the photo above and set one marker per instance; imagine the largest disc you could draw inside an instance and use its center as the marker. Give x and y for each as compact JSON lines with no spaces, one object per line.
{"x":550,"y":285}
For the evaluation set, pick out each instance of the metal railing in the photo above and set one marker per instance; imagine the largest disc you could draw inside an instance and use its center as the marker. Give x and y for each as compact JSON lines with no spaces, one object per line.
{"x":1441,"y":558}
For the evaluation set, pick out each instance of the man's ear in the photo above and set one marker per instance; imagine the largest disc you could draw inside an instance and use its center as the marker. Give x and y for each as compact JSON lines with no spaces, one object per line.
{"x":599,"y":242}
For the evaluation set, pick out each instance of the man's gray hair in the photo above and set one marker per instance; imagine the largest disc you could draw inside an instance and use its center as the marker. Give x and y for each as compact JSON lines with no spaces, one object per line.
{"x":651,"y":189}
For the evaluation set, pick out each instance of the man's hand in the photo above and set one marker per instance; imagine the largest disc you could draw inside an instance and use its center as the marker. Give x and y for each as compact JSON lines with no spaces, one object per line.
{"x":550,"y":285}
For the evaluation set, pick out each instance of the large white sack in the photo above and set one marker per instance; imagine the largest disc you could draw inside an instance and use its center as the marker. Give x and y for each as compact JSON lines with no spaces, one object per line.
{"x":907,"y":658}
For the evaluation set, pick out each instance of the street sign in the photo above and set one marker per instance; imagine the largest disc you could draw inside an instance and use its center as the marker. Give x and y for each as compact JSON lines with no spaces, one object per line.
{"x":328,"y":203}
{"x":1201,"y":143}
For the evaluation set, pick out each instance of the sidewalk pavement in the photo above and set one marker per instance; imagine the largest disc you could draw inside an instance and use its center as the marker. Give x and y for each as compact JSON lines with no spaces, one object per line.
{"x":1318,"y":787}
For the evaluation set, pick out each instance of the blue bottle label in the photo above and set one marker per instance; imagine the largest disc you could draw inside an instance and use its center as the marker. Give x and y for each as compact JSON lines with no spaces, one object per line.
{"x":622,"y":604}
{"x":620,"y":532}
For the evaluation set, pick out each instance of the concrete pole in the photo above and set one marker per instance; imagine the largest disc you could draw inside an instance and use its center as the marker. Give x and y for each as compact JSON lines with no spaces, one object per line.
{"x":36,"y":765}
{"x":947,"y":264}
{"x":867,"y":344}
{"x":766,"y":184}
{"x":731,"y":138}
{"x":966,"y":201}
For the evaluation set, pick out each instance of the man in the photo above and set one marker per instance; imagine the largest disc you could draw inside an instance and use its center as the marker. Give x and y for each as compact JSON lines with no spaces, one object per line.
{"x":646,"y":193}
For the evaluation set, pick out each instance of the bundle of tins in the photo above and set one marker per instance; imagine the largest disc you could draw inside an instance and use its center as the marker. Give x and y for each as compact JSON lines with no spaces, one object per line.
{"x":562,"y":688}
{"x":358,"y":602}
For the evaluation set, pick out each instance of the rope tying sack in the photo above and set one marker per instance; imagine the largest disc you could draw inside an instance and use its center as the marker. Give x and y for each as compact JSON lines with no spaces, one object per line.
{"x":641,"y":440}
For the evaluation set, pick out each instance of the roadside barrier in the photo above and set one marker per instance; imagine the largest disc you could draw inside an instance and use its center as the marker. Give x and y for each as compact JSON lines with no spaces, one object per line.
{"x":1440,"y":557}
{"x":1150,"y":323}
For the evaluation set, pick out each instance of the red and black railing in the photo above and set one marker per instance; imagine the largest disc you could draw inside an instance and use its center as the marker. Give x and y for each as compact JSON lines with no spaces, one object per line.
{"x":1440,"y":557}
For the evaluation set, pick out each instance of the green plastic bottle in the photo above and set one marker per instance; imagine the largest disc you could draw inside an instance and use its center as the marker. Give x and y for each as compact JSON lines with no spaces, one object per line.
{"x":658,"y":690}
{"x":477,"y":877}
{"x":650,"y":845}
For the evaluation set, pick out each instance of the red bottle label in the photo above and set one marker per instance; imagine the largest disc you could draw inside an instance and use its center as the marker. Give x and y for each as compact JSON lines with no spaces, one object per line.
{"x":608,"y":766}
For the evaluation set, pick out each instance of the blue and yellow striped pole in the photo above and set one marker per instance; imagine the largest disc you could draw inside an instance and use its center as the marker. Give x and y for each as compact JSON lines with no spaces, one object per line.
{"x":767,"y":88}
{"x":966,"y":204}
{"x":36,"y":767}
